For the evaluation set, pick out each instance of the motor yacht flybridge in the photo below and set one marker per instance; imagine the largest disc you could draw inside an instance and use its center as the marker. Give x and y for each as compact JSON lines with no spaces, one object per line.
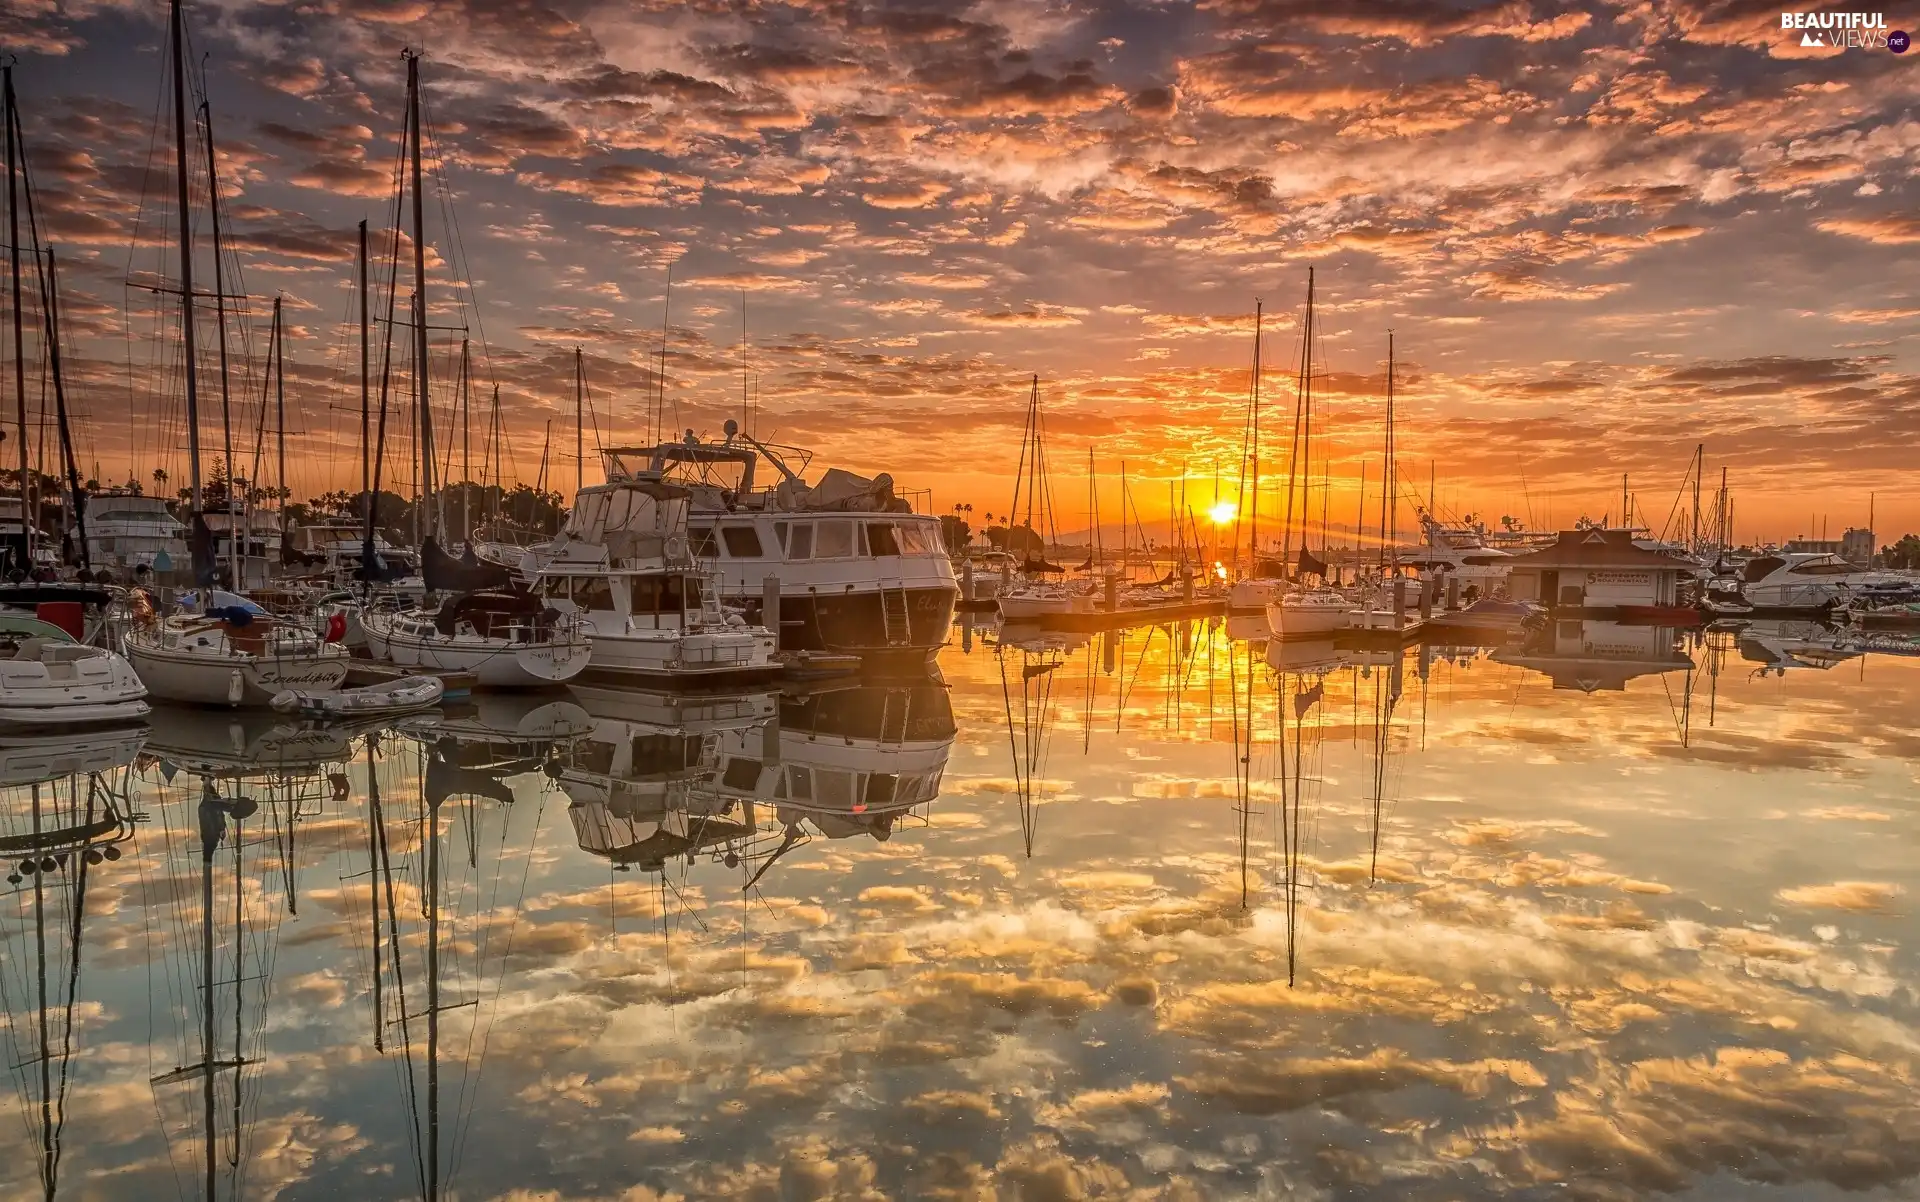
{"x":858,"y":571}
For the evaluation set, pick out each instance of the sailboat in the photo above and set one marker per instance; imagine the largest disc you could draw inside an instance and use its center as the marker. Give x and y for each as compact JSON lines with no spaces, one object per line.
{"x":1305,"y":610}
{"x":506,"y":636}
{"x":234,"y":654}
{"x":1265,"y":581}
{"x":1036,"y":596}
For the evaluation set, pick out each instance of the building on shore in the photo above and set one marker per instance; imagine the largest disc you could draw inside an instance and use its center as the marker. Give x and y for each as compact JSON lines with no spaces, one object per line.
{"x":1597,"y":571}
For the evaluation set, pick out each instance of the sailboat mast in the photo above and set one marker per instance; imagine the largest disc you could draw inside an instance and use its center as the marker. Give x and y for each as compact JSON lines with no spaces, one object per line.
{"x":280,"y":416}
{"x":191,"y":353}
{"x":19,"y":336}
{"x":1306,"y":421}
{"x":466,"y":442}
{"x":420,"y":283}
{"x":1699,"y":467}
{"x":1253,"y":466}
{"x":579,"y":427}
{"x":60,"y":406}
{"x":1389,"y":548}
{"x":220,"y":339}
{"x":1293,"y":451}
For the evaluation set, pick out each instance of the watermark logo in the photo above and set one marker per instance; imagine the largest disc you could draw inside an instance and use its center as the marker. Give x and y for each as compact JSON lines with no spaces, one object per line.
{"x":1844,"y":31}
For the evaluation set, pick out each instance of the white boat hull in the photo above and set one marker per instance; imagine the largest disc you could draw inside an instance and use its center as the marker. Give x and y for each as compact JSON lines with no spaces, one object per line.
{"x":1288,"y":618}
{"x":1020,"y":606}
{"x":249,"y":682}
{"x":675,"y":655}
{"x":1246,"y":596}
{"x":495,"y":663}
{"x":68,"y":685}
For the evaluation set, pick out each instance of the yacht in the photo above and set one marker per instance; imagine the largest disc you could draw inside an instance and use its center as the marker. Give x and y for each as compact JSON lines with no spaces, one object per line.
{"x":858,"y":571}
{"x":624,"y":566}
{"x":258,"y":537}
{"x":50,"y":679}
{"x":1798,"y":580}
{"x":127,"y":531}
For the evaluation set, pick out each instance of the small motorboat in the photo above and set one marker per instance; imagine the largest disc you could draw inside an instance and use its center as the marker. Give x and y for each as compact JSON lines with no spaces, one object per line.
{"x":389,"y":698}
{"x":50,"y":679}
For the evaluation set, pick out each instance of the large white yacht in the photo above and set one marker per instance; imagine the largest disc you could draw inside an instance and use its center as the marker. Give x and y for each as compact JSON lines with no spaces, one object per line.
{"x":1800,"y":580}
{"x":127,"y":530}
{"x":859,"y":572}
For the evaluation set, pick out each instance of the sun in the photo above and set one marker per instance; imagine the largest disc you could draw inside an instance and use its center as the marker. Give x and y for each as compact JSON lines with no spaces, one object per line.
{"x":1223,"y":512}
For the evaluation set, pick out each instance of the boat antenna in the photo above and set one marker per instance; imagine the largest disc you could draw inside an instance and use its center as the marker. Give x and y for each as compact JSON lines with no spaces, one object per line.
{"x":657,"y":428}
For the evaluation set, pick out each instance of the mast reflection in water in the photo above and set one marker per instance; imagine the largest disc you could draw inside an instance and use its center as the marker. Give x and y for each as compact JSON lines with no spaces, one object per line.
{"x":1611,"y":912}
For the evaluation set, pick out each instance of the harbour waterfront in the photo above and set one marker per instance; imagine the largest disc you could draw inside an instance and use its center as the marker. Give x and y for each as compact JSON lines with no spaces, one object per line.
{"x":1185,"y":917}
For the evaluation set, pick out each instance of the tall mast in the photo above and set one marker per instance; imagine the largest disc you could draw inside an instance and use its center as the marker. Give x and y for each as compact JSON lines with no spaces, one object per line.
{"x":178,"y":36}
{"x":220,"y":337}
{"x":659,"y":431}
{"x":1389,"y":548}
{"x":466,"y":442}
{"x":27,"y":514}
{"x":60,"y":405}
{"x":1294,"y":479}
{"x":1253,"y":500}
{"x":579,"y":428}
{"x":1699,"y":467}
{"x":1306,"y":422}
{"x":366,"y":400}
{"x":280,"y":415}
{"x":420,"y":284}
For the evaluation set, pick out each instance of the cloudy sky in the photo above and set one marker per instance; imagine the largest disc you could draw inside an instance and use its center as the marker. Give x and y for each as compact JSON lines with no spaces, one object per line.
{"x":1601,"y":232}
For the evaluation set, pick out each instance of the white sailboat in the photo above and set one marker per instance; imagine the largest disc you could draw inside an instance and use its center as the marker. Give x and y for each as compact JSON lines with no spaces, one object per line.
{"x":507,"y":638}
{"x":1306,"y":610}
{"x":1042,"y":590}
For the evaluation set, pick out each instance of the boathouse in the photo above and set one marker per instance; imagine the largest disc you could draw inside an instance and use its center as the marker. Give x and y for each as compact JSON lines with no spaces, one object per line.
{"x":1597,"y":571}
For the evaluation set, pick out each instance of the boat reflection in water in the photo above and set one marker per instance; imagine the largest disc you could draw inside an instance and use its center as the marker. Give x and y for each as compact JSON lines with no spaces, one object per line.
{"x":748,"y":777}
{"x":1598,"y":656}
{"x":1777,"y":645}
{"x":65,"y":815}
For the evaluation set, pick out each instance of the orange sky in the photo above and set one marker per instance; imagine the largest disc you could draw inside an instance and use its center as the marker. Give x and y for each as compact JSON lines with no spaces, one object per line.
{"x":1600,"y":233}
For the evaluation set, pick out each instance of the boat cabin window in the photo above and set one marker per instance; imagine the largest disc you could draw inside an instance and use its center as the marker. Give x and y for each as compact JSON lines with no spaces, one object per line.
{"x":593,"y":593}
{"x":800,"y":783}
{"x":880,"y":539}
{"x":664,"y":594}
{"x":700,"y":541}
{"x":919,"y":538}
{"x":800,"y":541}
{"x":665,"y":753}
{"x":834,"y":788}
{"x":833,"y":540}
{"x":743,"y":542}
{"x":554,"y":588}
{"x":742,"y":774}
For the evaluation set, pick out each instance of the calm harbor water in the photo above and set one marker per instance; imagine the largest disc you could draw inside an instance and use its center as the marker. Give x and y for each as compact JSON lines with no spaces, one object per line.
{"x":1163,"y":914}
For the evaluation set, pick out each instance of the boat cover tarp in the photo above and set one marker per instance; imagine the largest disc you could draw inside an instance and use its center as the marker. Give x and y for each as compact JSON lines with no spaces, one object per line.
{"x":444,"y":573}
{"x":480,"y":607}
{"x":1310,"y":564}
